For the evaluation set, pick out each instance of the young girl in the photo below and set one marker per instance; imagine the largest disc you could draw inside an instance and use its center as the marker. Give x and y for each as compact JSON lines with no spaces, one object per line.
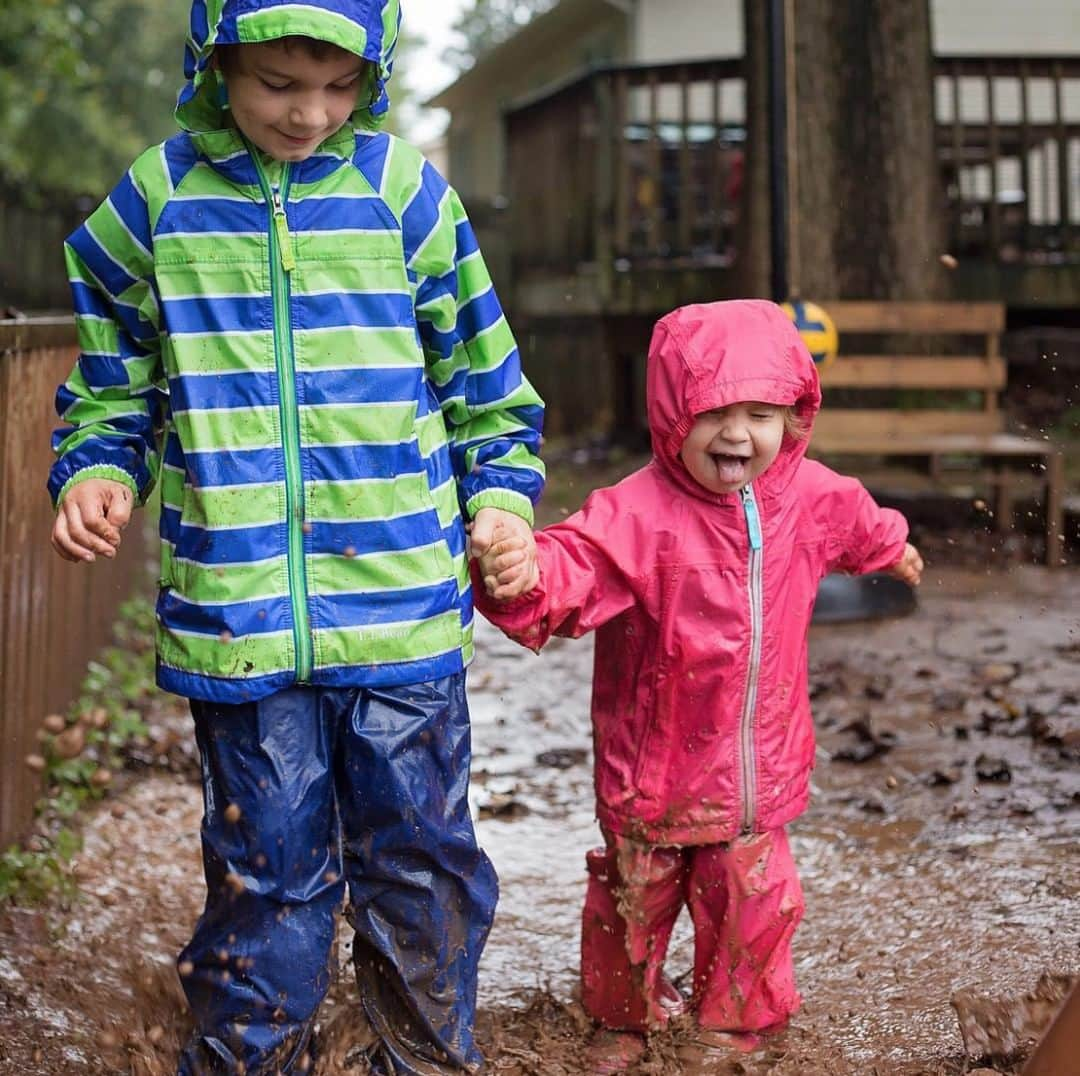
{"x":699,"y":574}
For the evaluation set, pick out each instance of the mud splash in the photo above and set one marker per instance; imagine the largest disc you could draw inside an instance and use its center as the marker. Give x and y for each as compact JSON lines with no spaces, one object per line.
{"x":927,"y":871}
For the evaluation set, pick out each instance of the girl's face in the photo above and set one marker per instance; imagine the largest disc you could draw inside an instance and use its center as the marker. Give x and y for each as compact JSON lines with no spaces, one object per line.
{"x":729,"y":447}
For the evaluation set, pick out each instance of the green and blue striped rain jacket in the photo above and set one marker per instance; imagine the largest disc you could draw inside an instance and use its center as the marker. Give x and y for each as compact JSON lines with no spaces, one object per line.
{"x":324,"y":387}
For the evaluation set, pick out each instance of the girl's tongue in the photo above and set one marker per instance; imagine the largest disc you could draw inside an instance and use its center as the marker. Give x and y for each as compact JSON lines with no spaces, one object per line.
{"x":730,"y":468}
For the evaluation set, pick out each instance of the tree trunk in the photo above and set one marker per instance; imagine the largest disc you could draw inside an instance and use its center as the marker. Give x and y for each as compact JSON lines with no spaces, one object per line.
{"x":867,"y":204}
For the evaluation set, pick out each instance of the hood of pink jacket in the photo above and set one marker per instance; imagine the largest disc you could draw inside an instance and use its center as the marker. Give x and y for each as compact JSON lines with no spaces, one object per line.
{"x":714,"y":354}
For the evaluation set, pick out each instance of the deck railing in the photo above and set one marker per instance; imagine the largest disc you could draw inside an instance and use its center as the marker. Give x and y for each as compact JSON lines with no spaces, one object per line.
{"x":644,"y":163}
{"x":1009,"y":146}
{"x":628,"y":162}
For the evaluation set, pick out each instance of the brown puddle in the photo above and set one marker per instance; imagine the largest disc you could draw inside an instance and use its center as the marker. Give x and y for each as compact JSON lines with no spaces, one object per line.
{"x":942,"y":867}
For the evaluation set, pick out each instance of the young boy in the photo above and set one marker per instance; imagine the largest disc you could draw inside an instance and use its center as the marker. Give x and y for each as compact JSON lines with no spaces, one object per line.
{"x":283,"y":312}
{"x":699,"y":574}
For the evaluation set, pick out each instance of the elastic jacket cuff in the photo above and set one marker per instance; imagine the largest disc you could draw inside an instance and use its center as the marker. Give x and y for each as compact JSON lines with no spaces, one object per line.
{"x":506,"y":499}
{"x":99,"y":470}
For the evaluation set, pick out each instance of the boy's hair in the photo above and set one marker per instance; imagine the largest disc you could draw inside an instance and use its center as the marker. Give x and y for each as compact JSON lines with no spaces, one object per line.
{"x":313,"y":47}
{"x":797,"y":428}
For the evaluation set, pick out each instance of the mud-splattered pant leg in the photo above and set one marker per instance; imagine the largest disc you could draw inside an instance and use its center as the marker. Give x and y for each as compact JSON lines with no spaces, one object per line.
{"x":745,"y":901}
{"x":634,"y":895}
{"x":260,"y":961}
{"x":422,"y":893}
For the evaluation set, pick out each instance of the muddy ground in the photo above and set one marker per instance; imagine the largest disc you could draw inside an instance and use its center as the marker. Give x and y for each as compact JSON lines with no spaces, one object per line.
{"x":940,"y":855}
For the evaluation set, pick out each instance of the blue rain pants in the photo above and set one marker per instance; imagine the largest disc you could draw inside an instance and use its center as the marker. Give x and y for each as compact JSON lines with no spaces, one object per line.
{"x":309,"y":792}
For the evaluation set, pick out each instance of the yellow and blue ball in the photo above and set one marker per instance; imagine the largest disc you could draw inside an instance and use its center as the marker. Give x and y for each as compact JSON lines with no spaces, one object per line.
{"x":816,"y":329}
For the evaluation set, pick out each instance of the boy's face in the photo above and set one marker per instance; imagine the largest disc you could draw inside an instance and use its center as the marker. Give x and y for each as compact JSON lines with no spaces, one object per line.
{"x":287,"y":102}
{"x":729,"y":447}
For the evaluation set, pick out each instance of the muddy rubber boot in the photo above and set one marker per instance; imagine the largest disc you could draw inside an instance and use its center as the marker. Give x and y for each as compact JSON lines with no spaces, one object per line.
{"x":612,"y":1052}
{"x":669,"y":998}
{"x":707,"y":1052}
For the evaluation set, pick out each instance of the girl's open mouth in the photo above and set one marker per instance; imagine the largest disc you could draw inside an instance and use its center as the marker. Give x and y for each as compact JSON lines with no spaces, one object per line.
{"x":729,"y":468}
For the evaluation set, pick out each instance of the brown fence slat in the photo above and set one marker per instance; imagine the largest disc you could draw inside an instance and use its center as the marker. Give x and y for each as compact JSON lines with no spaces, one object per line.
{"x":916,"y":372}
{"x":916,"y":317}
{"x":839,"y":423}
{"x":54,"y":616}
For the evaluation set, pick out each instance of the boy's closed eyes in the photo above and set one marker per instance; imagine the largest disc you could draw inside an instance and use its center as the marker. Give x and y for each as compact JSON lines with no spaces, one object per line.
{"x":288,"y":100}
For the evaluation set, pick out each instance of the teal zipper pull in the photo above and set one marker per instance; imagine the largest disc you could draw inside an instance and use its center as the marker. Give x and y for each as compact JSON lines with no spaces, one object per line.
{"x":753,"y":520}
{"x":284,"y":240}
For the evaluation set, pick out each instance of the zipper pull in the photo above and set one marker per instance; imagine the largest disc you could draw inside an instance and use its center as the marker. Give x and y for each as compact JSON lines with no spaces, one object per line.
{"x":753,"y":520}
{"x":284,"y":240}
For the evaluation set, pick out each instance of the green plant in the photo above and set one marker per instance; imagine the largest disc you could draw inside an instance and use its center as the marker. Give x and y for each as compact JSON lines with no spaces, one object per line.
{"x":80,"y":753}
{"x":30,"y":875}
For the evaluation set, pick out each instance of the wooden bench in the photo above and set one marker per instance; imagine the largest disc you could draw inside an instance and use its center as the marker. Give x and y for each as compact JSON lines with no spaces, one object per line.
{"x":937,"y":405}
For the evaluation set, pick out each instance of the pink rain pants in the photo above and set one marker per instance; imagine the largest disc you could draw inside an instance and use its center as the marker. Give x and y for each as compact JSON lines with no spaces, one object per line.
{"x":745,"y":902}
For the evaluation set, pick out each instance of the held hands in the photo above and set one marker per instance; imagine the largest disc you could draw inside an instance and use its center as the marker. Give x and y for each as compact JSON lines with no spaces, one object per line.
{"x":90,"y":519}
{"x":909,"y":567}
{"x":505,"y":546}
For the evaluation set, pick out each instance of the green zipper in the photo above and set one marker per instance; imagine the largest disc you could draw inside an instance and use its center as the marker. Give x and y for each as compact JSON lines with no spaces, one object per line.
{"x":282,"y":263}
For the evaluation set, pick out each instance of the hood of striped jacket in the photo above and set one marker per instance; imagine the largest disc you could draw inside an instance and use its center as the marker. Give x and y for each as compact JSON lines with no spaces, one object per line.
{"x":367,"y":28}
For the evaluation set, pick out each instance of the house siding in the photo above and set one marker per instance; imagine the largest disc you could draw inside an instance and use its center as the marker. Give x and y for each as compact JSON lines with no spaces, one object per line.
{"x":687,"y":30}
{"x":476,"y":158}
{"x":690,"y":29}
{"x":1005,"y":26}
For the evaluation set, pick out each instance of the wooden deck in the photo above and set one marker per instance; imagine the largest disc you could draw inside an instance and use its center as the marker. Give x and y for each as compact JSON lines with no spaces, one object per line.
{"x":624,"y":184}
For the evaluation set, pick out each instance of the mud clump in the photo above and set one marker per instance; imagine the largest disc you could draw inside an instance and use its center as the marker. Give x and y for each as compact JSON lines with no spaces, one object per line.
{"x":869,"y":743}
{"x":547,"y":1037}
{"x":1003,"y":1030}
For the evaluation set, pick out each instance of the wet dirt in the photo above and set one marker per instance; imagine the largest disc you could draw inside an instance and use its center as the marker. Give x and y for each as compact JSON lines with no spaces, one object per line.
{"x":939,"y":859}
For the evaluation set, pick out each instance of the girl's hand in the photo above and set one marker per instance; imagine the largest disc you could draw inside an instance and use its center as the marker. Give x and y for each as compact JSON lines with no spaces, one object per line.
{"x":909,"y":567}
{"x":506,"y":549}
{"x":90,"y":518}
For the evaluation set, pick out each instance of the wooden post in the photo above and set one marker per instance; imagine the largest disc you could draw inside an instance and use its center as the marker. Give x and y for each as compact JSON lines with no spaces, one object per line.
{"x":718,"y":185}
{"x":686,"y":186}
{"x":993,"y":153}
{"x":605,"y":189}
{"x":1025,"y":154}
{"x":656,"y":178}
{"x":1055,"y":508}
{"x":1062,"y":159}
{"x":957,"y":153}
{"x":622,"y":155}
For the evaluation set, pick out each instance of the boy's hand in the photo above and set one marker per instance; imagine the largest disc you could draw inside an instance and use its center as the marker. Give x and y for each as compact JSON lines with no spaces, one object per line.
{"x":506,"y":549}
{"x":90,"y":519}
{"x":909,"y":567}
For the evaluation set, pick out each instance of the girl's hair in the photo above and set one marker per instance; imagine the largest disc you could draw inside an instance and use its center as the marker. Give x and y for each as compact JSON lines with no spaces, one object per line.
{"x":797,"y":428}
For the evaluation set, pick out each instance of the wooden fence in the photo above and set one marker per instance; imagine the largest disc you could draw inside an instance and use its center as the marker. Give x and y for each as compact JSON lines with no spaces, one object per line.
{"x":32,"y":273}
{"x":54,"y":616}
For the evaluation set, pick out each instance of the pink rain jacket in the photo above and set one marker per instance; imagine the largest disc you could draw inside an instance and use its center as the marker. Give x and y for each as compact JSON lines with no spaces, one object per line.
{"x":701,"y":602}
